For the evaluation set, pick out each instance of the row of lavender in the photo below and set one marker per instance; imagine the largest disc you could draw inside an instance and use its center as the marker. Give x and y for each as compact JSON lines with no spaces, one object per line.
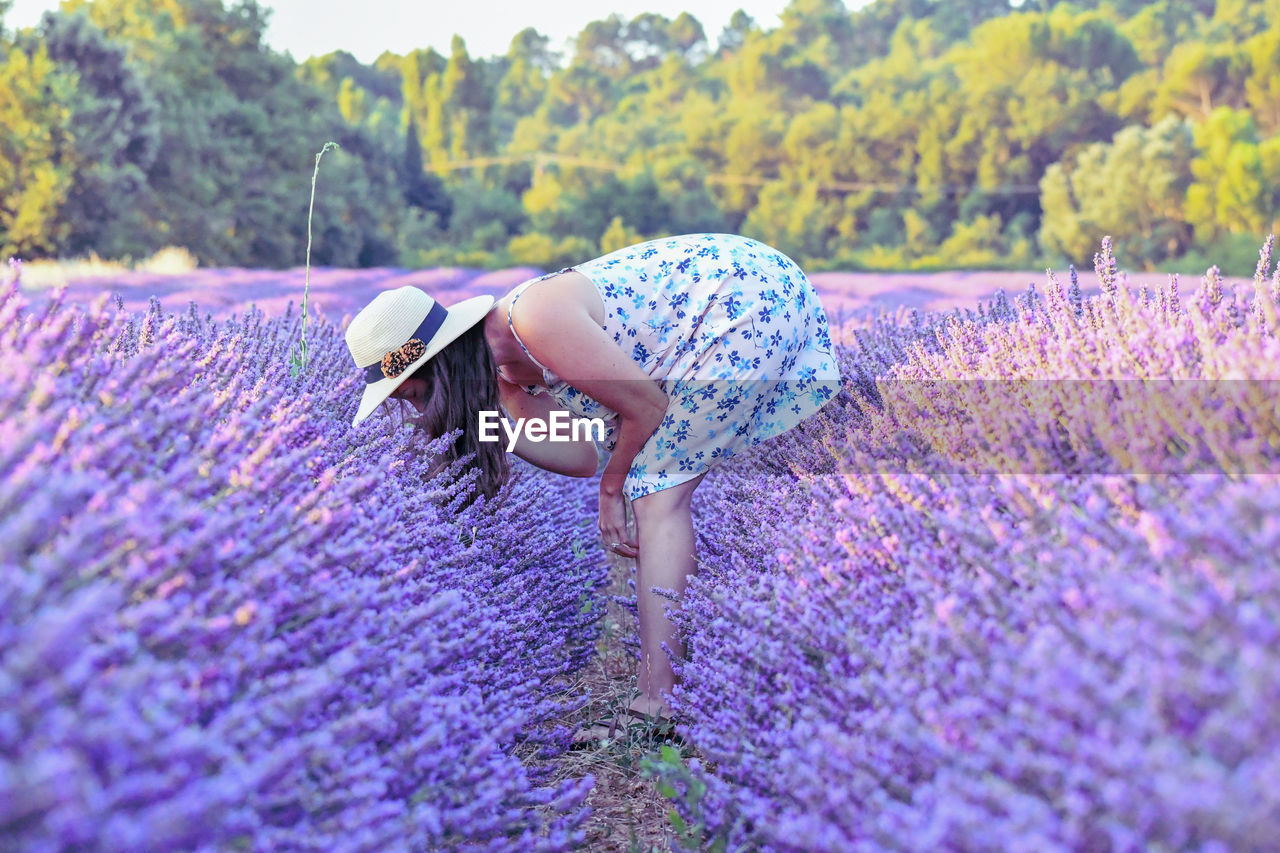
{"x":340,"y":293}
{"x":975,"y":607}
{"x":228,"y":620}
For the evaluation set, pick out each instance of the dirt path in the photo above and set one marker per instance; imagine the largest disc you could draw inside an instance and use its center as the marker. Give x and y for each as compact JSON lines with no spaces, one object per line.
{"x":628,"y":813}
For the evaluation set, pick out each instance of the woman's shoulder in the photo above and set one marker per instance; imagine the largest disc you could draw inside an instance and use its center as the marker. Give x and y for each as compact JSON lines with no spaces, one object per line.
{"x":557,"y":292}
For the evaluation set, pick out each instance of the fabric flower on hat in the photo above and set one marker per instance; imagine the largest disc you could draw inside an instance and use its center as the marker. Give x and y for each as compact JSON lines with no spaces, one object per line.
{"x":394,"y":363}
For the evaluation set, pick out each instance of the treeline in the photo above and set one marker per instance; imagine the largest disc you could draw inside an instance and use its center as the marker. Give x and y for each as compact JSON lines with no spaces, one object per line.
{"x":907,"y":134}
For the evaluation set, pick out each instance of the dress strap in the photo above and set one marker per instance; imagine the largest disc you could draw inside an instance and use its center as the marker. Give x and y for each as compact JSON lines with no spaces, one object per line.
{"x":520,"y":292}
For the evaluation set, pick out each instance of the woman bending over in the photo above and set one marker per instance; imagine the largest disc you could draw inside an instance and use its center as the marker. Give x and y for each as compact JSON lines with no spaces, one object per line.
{"x":687,"y":349}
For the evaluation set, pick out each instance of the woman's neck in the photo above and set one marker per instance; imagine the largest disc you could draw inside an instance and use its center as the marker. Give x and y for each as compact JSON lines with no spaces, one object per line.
{"x":513,"y":364}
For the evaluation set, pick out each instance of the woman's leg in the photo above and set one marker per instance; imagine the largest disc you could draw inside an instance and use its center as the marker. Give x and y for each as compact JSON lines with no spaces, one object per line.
{"x":666,"y":558}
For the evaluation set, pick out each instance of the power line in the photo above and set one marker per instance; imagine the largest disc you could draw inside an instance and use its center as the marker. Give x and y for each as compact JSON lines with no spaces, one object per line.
{"x":541,"y":160}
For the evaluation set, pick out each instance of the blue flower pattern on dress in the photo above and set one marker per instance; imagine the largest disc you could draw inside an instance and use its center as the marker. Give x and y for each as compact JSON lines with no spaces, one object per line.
{"x":730,"y":329}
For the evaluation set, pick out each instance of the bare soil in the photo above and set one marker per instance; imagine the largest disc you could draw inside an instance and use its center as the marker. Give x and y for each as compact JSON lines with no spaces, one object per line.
{"x":627,"y":812}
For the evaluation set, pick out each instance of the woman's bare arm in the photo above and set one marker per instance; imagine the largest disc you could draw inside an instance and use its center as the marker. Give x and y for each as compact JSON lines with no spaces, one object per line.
{"x":554,"y":321}
{"x":571,"y":458}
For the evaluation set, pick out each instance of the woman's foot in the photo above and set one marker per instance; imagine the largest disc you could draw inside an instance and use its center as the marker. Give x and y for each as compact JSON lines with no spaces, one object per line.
{"x":645,"y":706}
{"x":648,"y":719}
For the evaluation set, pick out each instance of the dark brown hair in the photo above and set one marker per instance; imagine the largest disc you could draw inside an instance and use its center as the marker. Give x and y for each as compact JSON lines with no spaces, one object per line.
{"x":462,"y":380}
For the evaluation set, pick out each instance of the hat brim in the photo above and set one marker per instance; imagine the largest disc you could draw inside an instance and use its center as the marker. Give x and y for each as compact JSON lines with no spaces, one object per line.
{"x":461,"y":317}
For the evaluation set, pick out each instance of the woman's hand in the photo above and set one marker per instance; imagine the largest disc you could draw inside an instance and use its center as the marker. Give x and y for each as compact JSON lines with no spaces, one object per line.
{"x":561,"y":333}
{"x":613,"y":525}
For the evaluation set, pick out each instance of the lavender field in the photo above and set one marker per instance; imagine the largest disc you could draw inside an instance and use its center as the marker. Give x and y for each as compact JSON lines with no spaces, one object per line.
{"x":339,"y":293}
{"x":1000,"y":595}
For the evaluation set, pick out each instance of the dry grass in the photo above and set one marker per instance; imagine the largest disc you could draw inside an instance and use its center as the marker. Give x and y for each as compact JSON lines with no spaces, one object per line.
{"x":46,"y":274}
{"x":628,"y":813}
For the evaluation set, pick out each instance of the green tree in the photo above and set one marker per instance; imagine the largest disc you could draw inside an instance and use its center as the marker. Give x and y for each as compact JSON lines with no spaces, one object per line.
{"x":522,"y":86}
{"x":420,"y":72}
{"x":36,"y":156}
{"x":1155,"y":29}
{"x":239,"y":132}
{"x":539,"y":250}
{"x":1032,"y":88}
{"x":646,"y":40}
{"x":752,"y":148}
{"x":353,"y":103}
{"x":903,"y":132}
{"x":380,"y":81}
{"x":1237,"y":177}
{"x":1262,"y":85}
{"x":559,"y":208}
{"x":1237,"y":20}
{"x":735,"y":33}
{"x":579,"y":94}
{"x":688,"y":39}
{"x":744,"y":73}
{"x":955,"y":19}
{"x":875,"y":23}
{"x":618,"y":236}
{"x":466,"y":104}
{"x":1118,"y":8}
{"x":795,"y":218}
{"x":1198,"y":78}
{"x":422,"y":190}
{"x":822,"y":30}
{"x":985,"y":242}
{"x":601,"y":46}
{"x":116,"y":135}
{"x":490,"y":212}
{"x":898,"y":118}
{"x":1133,"y":188}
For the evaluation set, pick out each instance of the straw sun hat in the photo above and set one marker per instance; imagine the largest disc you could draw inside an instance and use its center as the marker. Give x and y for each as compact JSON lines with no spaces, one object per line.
{"x":398,"y":332}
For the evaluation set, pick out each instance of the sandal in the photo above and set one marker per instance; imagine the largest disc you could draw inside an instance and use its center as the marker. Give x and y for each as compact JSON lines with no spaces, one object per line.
{"x":592,"y":735}
{"x":660,"y":728}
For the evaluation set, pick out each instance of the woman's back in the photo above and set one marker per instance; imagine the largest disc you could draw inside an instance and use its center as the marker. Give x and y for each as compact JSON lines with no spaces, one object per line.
{"x":732,"y":331}
{"x":711,"y":306}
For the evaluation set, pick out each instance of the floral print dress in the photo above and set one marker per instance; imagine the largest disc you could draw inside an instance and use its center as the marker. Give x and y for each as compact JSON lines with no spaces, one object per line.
{"x":732,"y":332}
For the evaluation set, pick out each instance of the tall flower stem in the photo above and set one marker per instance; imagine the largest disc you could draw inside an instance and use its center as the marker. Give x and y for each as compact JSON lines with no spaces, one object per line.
{"x":298,"y":362}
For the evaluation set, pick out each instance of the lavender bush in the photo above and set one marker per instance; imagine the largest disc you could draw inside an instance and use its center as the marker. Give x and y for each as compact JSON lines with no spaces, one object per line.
{"x":1002,"y":595}
{"x":1014,"y":590}
{"x":228,"y":621}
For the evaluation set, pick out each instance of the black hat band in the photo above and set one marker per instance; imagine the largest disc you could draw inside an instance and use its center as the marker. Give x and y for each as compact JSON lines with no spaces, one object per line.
{"x":395,"y":362}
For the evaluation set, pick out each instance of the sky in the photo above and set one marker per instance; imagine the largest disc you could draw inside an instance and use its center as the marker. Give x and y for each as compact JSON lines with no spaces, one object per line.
{"x":366,"y":28}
